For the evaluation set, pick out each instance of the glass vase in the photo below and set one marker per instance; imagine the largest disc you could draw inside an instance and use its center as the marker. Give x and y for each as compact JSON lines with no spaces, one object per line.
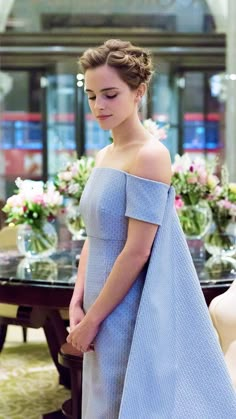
{"x":221,"y":240}
{"x":195,"y":220}
{"x":37,"y":242}
{"x":75,"y":222}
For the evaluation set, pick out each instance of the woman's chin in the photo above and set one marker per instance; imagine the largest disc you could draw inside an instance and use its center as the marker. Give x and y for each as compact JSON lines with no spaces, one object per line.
{"x":105,"y":124}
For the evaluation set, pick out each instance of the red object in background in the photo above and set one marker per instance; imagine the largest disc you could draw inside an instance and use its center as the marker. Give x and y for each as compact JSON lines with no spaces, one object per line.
{"x":21,"y":116}
{"x":25,"y":163}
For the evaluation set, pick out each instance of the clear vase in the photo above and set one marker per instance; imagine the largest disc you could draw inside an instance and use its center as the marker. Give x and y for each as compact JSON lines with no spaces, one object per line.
{"x":74,"y":221}
{"x":37,"y":242}
{"x":221,"y":239}
{"x":195,"y":220}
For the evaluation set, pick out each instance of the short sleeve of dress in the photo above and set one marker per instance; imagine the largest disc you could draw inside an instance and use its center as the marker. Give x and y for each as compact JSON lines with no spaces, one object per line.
{"x":145,"y":199}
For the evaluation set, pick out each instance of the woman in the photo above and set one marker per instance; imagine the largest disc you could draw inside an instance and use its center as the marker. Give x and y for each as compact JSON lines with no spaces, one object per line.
{"x":137,"y":310}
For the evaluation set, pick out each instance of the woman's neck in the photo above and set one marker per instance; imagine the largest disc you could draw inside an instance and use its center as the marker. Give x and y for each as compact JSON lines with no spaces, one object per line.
{"x":129,"y":132}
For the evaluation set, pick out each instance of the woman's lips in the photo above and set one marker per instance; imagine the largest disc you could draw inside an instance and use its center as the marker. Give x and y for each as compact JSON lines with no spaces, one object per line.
{"x":102,"y":117}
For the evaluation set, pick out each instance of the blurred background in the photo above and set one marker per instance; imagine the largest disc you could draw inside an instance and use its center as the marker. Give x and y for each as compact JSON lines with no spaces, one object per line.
{"x":44,"y":115}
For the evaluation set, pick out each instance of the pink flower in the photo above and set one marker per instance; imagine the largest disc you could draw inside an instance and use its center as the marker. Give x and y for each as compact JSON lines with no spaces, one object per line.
{"x":192,"y":179}
{"x":202,"y":178}
{"x":38,"y":199}
{"x":225,"y":203}
{"x":177,"y":168}
{"x":218,"y":191}
{"x":179,"y":203}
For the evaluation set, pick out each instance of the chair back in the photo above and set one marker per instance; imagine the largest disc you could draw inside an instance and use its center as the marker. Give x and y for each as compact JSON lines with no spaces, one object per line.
{"x":8,"y":238}
{"x":223,"y":313}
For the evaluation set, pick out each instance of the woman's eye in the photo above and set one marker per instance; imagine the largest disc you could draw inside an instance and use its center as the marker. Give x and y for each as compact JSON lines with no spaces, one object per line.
{"x":107,"y":96}
{"x":111,"y":96}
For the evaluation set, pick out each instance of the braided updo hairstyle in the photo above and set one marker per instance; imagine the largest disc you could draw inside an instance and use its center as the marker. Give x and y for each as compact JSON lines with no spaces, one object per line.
{"x":133,"y":64}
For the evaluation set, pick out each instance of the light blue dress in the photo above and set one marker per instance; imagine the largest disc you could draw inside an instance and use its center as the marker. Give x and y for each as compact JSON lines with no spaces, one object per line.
{"x":156,"y":355}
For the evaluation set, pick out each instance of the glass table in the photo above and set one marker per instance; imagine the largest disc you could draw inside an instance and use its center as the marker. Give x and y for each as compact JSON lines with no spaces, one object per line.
{"x":41,"y":289}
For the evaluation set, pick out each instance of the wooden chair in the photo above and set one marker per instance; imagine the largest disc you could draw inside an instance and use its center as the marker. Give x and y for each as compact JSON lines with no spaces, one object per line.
{"x":71,"y":358}
{"x":223,"y":313}
{"x":8,"y":238}
{"x":3,"y":215}
{"x":8,"y":315}
{"x":8,"y":312}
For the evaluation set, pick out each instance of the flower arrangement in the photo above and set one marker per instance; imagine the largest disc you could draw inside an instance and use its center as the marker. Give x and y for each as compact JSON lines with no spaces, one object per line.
{"x":70,"y":181}
{"x":222,"y":201}
{"x":33,"y":205}
{"x":193,"y":180}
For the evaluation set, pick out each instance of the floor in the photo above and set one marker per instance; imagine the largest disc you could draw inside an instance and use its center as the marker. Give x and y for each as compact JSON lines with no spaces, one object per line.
{"x":14,"y":335}
{"x":28,"y":378}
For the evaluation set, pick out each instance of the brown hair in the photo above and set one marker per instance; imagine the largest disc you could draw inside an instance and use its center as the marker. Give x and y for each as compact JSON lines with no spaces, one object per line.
{"x":133,"y":64}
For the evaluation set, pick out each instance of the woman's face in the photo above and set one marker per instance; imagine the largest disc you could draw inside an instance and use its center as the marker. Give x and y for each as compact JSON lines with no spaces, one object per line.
{"x":111,"y":100}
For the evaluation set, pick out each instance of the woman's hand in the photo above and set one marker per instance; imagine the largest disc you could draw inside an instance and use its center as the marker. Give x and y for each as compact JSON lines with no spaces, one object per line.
{"x":83,"y":334}
{"x":76,"y":314}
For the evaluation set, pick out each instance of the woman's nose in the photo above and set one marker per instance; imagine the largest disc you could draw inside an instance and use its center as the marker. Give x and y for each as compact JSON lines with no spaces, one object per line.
{"x":99,"y":104}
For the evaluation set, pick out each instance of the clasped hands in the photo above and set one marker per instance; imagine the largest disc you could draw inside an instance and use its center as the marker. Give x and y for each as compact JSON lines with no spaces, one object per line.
{"x":82,"y":334}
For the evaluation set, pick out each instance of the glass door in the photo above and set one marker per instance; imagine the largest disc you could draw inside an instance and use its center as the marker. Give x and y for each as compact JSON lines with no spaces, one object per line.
{"x":202,"y":114}
{"x":61,"y":118}
{"x":164,"y":107}
{"x":21,"y":139}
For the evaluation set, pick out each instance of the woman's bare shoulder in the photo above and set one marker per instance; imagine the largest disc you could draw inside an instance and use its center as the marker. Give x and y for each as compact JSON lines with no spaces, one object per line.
{"x":153,"y":162}
{"x":101,"y":154}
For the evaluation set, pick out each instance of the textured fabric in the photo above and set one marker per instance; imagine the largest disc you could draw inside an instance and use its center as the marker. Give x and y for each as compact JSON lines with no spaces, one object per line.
{"x":156,"y":355}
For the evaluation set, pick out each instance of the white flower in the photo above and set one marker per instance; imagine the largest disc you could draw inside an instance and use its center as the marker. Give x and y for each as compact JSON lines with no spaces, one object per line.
{"x":74,"y":188}
{"x":52,"y":196}
{"x":155,"y":130}
{"x":29,"y":188}
{"x":66,"y":176}
{"x":181,"y":163}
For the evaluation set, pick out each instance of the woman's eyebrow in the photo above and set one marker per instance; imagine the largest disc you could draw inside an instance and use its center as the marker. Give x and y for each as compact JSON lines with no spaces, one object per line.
{"x":103,"y":90}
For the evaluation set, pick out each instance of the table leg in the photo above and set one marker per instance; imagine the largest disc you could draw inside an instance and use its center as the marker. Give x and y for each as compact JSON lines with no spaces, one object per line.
{"x":56,"y":333}
{"x":3,"y":332}
{"x":54,"y":415}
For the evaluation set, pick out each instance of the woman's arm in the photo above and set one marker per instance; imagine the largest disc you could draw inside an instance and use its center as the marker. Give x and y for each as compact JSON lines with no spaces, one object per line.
{"x":125,"y":270}
{"x":76,"y":313}
{"x":130,"y":261}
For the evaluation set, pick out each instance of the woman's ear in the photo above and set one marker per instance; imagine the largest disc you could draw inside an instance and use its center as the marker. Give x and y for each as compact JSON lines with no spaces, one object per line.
{"x":141,"y":90}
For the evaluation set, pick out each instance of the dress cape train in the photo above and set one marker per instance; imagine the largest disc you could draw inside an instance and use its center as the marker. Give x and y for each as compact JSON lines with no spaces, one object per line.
{"x":176,"y":368}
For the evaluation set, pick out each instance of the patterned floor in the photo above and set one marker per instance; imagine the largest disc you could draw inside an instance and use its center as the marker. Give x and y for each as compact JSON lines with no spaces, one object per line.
{"x":28,"y":382}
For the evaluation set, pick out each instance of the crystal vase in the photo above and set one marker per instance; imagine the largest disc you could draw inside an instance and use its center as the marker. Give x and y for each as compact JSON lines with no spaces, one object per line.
{"x":74,"y":221}
{"x":195,"y":220}
{"x":221,"y":239}
{"x":37,"y":242}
